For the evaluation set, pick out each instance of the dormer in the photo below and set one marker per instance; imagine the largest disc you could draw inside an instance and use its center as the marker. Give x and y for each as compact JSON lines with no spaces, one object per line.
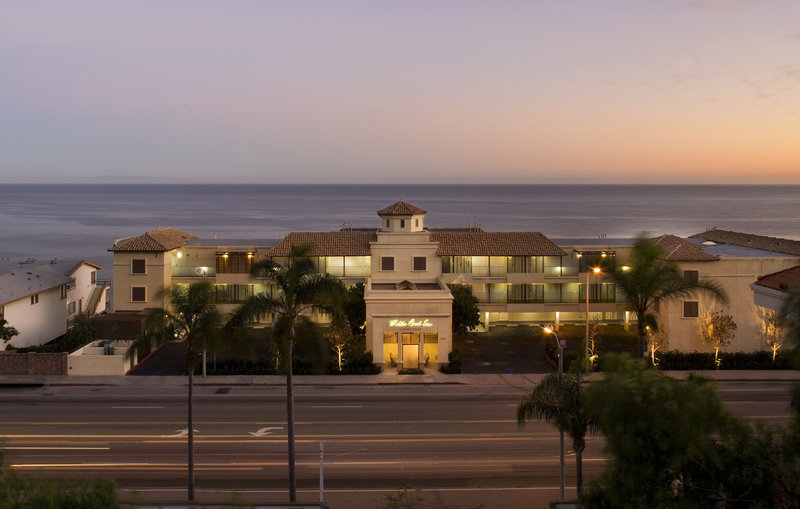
{"x":401,"y":217}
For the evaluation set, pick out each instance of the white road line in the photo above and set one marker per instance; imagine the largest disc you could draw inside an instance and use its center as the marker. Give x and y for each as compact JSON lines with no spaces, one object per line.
{"x":337,"y":406}
{"x":138,"y":407}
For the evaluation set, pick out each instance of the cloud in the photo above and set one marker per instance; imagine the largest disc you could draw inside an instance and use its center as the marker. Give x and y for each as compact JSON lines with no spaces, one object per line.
{"x":791,"y":72}
{"x":722,"y":5}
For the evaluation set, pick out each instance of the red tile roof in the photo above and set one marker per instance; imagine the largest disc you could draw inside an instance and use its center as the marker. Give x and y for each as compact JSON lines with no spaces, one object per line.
{"x":355,"y":243}
{"x":677,"y":249}
{"x":156,"y":241}
{"x":762,"y":242}
{"x":400,"y":208}
{"x":495,"y":244}
{"x":784,"y":280}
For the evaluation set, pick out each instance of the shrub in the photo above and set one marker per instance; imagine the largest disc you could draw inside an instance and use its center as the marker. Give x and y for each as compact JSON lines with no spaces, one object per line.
{"x":727,"y":360}
{"x":454,"y":364}
{"x":361,"y":365}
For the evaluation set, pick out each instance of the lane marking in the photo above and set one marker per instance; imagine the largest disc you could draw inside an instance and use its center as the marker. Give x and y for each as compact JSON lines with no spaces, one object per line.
{"x":57,"y":448}
{"x":264,"y":431}
{"x":337,"y":406}
{"x":138,"y":407}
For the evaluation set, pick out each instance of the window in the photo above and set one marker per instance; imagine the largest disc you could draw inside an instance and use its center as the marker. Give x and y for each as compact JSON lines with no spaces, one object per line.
{"x":691,"y":277}
{"x":138,"y":294}
{"x":387,"y":262}
{"x":402,"y":223}
{"x":64,"y":289}
{"x":416,"y":223}
{"x":34,"y":299}
{"x":71,"y":308}
{"x":420,"y":263}
{"x":138,"y":266}
{"x":234,"y":263}
{"x":387,"y":223}
{"x":93,"y":277}
{"x":690,"y":309}
{"x":2,"y":312}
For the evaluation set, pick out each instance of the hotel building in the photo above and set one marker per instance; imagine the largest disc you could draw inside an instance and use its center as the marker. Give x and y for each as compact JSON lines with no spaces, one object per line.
{"x":518,"y":277}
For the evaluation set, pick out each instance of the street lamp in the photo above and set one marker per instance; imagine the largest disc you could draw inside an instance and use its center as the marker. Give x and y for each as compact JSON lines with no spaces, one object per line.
{"x":561,"y":344}
{"x":595,"y":270}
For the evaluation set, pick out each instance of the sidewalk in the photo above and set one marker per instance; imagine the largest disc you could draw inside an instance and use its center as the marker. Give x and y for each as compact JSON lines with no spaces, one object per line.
{"x":387,"y":378}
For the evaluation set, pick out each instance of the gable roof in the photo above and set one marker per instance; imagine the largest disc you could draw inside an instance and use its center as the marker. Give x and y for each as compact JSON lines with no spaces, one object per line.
{"x":677,"y":249}
{"x":21,"y":282}
{"x":401,"y":208}
{"x":495,"y":244}
{"x":783,"y":280}
{"x":156,"y":241}
{"x":774,"y":244}
{"x":354,"y":243}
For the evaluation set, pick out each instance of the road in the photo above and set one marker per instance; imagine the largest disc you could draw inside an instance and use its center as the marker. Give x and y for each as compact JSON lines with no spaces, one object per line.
{"x":458,"y":446}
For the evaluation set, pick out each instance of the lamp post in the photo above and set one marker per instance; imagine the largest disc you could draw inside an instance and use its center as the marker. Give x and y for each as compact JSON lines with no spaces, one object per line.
{"x":561,"y":344}
{"x":595,"y":270}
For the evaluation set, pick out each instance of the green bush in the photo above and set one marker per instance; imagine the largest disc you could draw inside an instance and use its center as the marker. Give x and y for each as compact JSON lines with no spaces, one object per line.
{"x":454,"y":364}
{"x":361,"y":365}
{"x":240,"y":367}
{"x":727,"y":360}
{"x":22,"y":492}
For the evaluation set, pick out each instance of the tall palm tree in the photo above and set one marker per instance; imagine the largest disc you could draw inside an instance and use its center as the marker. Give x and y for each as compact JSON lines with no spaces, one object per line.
{"x":190,"y":315}
{"x":299,"y":291}
{"x":558,"y":399}
{"x":649,"y":278}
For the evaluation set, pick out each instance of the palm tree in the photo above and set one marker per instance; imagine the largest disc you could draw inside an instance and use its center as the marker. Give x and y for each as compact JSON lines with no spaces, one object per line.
{"x":190,"y":315}
{"x":558,"y":399}
{"x":649,"y":278}
{"x":300,"y":291}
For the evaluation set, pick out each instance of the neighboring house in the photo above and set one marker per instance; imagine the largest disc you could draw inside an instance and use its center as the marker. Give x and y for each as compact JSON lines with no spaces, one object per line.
{"x":770,"y":290}
{"x":520,"y":278}
{"x":39,"y":299}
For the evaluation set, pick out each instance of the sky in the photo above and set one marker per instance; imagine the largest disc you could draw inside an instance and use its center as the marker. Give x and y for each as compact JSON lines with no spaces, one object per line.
{"x":406,"y":91}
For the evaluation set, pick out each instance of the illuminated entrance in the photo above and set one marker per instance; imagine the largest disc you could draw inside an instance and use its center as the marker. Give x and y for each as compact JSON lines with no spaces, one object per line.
{"x":409,"y":351}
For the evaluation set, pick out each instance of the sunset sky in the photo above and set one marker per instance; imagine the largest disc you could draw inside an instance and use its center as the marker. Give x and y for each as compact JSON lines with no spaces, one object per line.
{"x":550,"y":91}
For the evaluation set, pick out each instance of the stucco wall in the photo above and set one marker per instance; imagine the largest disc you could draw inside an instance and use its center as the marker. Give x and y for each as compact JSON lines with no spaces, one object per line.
{"x":37,"y":323}
{"x":158,"y":275}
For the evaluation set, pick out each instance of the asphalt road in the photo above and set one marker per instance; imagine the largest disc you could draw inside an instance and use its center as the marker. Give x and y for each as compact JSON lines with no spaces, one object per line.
{"x":456,"y":446}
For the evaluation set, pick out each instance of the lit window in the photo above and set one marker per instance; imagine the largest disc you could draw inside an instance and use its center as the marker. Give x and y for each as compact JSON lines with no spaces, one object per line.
{"x":691,"y":309}
{"x":420,"y":263}
{"x":387,"y":262}
{"x":138,"y":266}
{"x":138,"y":294}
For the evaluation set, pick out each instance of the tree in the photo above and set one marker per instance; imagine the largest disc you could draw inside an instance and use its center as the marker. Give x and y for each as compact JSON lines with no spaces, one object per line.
{"x":773,"y":331}
{"x":672,"y":444}
{"x":649,"y":278}
{"x":341,"y":339}
{"x":355,"y":308}
{"x":300,"y":291}
{"x":558,"y":399}
{"x":717,"y":331}
{"x":190,"y":315}
{"x":6,"y":331}
{"x":656,"y":338}
{"x":466,"y":316}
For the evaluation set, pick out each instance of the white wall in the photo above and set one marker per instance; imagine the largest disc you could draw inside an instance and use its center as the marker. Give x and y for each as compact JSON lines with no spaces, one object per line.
{"x":37,"y":323}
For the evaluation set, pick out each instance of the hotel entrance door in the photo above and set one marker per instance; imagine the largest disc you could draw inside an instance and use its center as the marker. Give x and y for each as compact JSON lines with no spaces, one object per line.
{"x":410,"y":350}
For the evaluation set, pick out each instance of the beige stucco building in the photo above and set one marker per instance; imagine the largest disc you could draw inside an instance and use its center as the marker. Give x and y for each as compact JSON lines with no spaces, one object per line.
{"x":407,"y":267}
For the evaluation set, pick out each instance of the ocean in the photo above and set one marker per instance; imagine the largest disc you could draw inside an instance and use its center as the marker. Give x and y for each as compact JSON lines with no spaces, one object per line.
{"x":82,"y":221}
